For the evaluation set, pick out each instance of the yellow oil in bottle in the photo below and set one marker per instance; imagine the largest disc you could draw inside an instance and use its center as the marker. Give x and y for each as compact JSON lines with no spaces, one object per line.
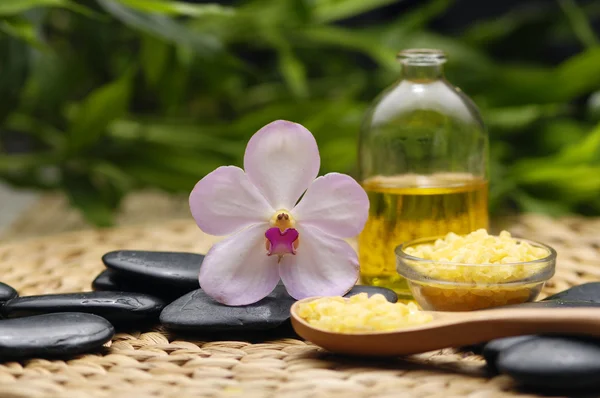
{"x":409,"y":207}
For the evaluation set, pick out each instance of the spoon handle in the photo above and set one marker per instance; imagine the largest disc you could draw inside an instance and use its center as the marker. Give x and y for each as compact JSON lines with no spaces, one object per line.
{"x":455,"y":329}
{"x":465,"y":328}
{"x":492,"y":324}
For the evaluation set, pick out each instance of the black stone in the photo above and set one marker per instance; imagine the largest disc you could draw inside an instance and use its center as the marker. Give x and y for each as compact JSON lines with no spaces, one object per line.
{"x":552,"y":362}
{"x":492,"y":350}
{"x":175,"y":269}
{"x":51,"y":335}
{"x":586,"y":295}
{"x":197,"y":312}
{"x":7,"y":292}
{"x":389,"y":294}
{"x":116,"y":307}
{"x":110,"y":280}
{"x":586,"y":292}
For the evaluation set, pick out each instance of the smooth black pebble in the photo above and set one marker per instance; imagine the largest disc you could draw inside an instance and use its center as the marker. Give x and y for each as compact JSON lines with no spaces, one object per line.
{"x":196,"y":311}
{"x":492,"y":350}
{"x":109,"y":280}
{"x":116,"y":307}
{"x":52,"y":335}
{"x":585,"y":292}
{"x":583,"y":297}
{"x":389,"y":294}
{"x":553,"y":363}
{"x":7,"y":292}
{"x":176,"y":269}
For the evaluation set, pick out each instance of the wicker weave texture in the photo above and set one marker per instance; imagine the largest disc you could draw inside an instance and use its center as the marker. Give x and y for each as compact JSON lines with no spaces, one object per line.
{"x":155,"y":363}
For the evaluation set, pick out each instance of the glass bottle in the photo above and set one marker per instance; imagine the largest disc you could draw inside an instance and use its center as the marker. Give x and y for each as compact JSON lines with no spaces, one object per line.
{"x":423,"y":160}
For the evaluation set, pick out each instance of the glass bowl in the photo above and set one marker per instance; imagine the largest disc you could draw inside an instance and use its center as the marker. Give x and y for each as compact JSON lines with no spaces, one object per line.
{"x":447,"y":286}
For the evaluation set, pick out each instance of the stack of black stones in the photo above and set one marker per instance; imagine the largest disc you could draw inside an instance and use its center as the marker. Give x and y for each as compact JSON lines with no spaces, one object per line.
{"x":139,"y":288}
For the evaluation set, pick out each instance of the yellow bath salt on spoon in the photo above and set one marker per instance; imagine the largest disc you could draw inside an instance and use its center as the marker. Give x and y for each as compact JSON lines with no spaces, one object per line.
{"x":374,"y":327}
{"x":360,"y":313}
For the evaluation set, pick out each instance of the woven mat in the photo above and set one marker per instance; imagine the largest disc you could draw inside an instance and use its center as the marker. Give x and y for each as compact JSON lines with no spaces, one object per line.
{"x":52,"y":214}
{"x":155,"y":363}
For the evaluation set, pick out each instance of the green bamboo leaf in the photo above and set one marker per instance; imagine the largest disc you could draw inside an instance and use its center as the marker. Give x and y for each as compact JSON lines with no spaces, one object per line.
{"x":558,"y":134}
{"x":532,"y":204}
{"x":178,"y":8}
{"x":351,"y":40}
{"x":154,"y":58}
{"x":15,"y":7}
{"x":101,"y":107}
{"x":21,"y":162}
{"x":579,"y":23}
{"x":578,"y":75}
{"x":27,"y":124}
{"x":293,"y":71}
{"x":22,"y":30}
{"x":55,"y":78}
{"x":188,"y":136}
{"x":501,"y":187}
{"x":513,"y":119}
{"x":333,"y":10}
{"x":565,"y":184}
{"x":164,"y":28}
{"x":173,"y":87}
{"x":112,"y":173}
{"x":338,"y":155}
{"x":290,"y":67}
{"x":184,"y":162}
{"x":301,"y":11}
{"x":415,"y":20}
{"x":581,"y":155}
{"x":522,"y":85}
{"x":173,"y":170}
{"x":29,"y":179}
{"x":585,"y":151}
{"x":90,"y":200}
{"x":14,"y":67}
{"x":488,"y":31}
{"x":153,"y":176}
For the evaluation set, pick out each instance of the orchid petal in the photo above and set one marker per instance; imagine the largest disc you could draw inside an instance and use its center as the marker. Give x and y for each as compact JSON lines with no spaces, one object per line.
{"x":282,"y":159}
{"x":226,"y":201}
{"x":336,"y":204}
{"x":237,"y":270}
{"x":322,"y":266}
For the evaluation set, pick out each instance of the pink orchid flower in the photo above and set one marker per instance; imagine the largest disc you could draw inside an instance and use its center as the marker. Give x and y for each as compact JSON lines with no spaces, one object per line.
{"x":275,"y":236}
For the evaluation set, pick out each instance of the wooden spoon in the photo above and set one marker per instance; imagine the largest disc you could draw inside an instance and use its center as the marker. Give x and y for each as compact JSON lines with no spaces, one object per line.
{"x":452,"y":329}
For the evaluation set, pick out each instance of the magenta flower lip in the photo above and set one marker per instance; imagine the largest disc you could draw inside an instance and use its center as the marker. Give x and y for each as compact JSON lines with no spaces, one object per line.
{"x":281,"y":242}
{"x":272,"y":235}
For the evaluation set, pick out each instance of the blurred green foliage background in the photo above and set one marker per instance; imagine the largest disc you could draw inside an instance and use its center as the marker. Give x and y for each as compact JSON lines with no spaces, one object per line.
{"x":102,"y":97}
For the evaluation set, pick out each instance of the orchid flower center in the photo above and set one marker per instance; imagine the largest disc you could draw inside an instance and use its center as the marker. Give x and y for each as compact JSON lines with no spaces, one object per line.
{"x":282,"y":238}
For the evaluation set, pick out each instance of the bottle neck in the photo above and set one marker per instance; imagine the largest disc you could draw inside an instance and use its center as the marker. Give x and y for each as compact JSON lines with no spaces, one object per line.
{"x":421,"y":72}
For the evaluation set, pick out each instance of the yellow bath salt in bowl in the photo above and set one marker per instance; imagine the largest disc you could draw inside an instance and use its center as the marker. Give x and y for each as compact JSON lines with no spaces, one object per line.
{"x":474,"y":271}
{"x":360,"y":314}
